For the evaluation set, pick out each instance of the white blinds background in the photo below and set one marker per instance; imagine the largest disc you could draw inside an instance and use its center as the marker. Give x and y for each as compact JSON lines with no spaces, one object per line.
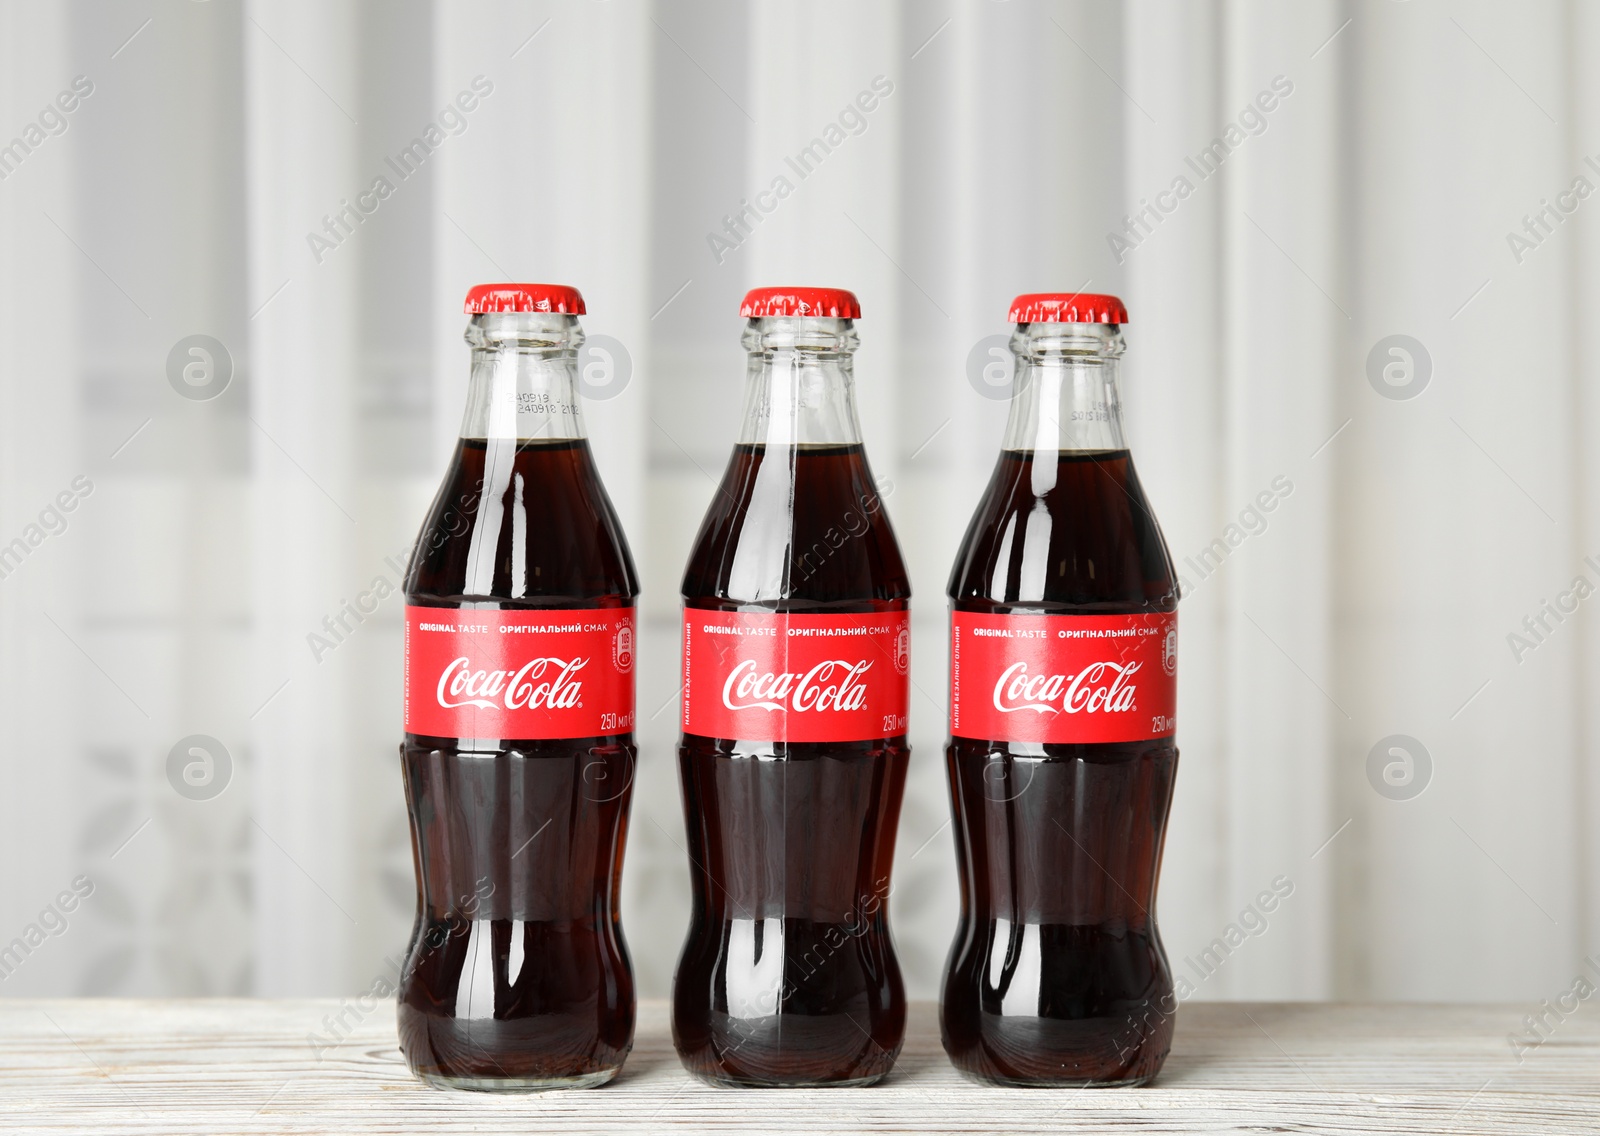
{"x":1374,"y":199}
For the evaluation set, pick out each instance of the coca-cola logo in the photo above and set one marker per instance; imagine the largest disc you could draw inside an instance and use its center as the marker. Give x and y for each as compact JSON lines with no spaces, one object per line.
{"x":833,"y":684}
{"x":1102,"y":687}
{"x":539,"y":684}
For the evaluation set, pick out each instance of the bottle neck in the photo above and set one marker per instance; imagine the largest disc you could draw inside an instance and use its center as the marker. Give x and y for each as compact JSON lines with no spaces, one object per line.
{"x":801,"y":383}
{"x":1066,"y":397}
{"x":524,"y":382}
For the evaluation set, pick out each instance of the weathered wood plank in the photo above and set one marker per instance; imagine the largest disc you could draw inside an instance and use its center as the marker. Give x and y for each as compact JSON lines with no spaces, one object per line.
{"x":248,"y":1067}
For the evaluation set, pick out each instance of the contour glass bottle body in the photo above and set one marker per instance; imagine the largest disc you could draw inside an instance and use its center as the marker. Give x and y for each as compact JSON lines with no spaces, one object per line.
{"x":793,"y":755}
{"x":1061,"y":760}
{"x":519,"y":753}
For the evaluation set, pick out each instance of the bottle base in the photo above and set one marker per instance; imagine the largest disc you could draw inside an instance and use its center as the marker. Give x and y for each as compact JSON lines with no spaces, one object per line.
{"x":517,"y":1084}
{"x":724,"y":1081}
{"x":793,"y":1051}
{"x":1037,"y":1068}
{"x":1004,"y":1082}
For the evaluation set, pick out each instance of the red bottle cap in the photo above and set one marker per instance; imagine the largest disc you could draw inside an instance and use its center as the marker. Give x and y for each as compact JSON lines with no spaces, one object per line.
{"x":1067,"y":307}
{"x":524,"y":298}
{"x":832,"y":303}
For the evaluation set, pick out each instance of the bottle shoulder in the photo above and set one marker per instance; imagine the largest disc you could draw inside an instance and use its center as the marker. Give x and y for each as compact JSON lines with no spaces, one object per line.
{"x":523,"y":522}
{"x":797,"y":528}
{"x":1071,"y":533}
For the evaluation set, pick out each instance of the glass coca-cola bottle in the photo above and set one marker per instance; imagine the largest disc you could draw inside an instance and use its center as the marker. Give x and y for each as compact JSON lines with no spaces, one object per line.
{"x":793,"y":757}
{"x":519,"y":717}
{"x":1063,"y":665}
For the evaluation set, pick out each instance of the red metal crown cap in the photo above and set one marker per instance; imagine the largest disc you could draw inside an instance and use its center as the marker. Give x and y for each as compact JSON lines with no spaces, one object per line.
{"x":524,"y":298}
{"x":1067,"y":307}
{"x":831,"y":303}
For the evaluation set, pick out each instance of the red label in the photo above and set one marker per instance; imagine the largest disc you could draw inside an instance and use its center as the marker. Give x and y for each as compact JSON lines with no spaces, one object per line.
{"x":1063,"y":678}
{"x":519,"y":674}
{"x":766,"y":677}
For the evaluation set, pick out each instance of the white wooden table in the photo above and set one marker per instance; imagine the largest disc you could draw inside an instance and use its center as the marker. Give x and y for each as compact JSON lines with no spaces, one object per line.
{"x":246,"y":1066}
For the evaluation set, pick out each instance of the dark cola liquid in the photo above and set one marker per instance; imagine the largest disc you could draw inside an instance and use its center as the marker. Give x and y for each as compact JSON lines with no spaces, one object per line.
{"x":517,"y":975}
{"x":791,"y":845}
{"x":1057,"y":974}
